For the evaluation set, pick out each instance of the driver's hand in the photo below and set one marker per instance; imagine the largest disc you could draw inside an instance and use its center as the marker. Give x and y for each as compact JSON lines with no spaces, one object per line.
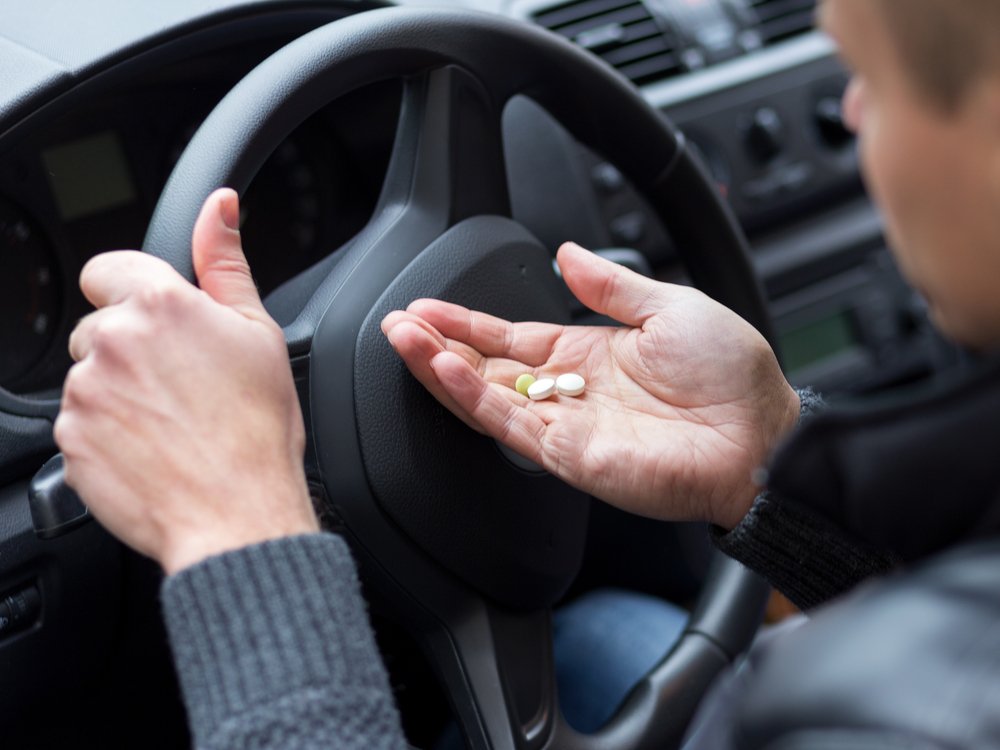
{"x":682,"y":403}
{"x":180,"y":424}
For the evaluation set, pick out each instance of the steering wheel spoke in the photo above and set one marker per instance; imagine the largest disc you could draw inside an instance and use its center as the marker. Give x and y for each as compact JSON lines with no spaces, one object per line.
{"x":447,"y":163}
{"x":497,"y":668}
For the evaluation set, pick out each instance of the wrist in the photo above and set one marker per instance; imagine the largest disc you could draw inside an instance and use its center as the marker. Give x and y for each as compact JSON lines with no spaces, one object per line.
{"x":220,"y":534}
{"x":730,"y":516}
{"x":211,"y":545}
{"x":793,"y":412}
{"x":787,"y":415}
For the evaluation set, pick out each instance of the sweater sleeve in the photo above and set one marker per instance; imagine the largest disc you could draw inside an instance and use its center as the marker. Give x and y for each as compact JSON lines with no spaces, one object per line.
{"x":797,"y":550}
{"x":273,"y":649}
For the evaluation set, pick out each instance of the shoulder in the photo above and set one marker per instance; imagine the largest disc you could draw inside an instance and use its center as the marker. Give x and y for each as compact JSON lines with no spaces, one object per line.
{"x":914,"y":657}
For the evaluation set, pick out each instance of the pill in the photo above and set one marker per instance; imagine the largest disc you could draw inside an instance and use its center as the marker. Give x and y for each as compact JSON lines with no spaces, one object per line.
{"x":570,"y":384}
{"x":541,"y":389}
{"x":523,"y":383}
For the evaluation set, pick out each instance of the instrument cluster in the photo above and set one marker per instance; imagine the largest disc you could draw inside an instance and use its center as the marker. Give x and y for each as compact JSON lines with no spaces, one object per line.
{"x":88,"y":180}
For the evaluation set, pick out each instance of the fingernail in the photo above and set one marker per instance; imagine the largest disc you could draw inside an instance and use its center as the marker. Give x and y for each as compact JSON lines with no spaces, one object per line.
{"x":388,"y":337}
{"x":229,"y":208}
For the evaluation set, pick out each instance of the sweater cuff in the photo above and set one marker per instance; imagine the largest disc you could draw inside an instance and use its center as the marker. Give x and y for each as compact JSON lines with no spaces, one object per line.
{"x":810,"y":403}
{"x":276,"y":624}
{"x":799,"y":552}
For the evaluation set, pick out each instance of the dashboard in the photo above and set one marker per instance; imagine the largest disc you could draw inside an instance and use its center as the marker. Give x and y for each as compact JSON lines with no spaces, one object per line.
{"x":748,"y":81}
{"x":93,"y":117}
{"x":88,"y":181}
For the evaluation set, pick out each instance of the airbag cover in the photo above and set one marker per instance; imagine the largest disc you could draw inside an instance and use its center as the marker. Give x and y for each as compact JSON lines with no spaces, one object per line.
{"x":516,"y":536}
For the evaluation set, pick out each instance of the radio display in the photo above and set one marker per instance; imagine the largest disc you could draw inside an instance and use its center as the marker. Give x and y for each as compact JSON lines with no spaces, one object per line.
{"x":817,"y":341}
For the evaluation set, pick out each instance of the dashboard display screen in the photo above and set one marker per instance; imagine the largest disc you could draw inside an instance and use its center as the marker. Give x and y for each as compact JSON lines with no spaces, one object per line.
{"x":89,"y":175}
{"x":817,"y":341}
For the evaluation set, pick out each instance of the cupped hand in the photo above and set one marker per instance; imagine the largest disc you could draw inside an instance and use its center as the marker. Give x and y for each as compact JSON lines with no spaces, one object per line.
{"x":180,"y":424}
{"x":683,"y":401}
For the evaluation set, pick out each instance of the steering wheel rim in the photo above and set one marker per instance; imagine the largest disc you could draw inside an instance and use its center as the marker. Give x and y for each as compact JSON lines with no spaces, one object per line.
{"x":460,"y":68}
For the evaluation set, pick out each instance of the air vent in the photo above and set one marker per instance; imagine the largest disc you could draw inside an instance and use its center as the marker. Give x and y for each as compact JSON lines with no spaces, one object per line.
{"x":781,"y":19}
{"x":621,"y":32}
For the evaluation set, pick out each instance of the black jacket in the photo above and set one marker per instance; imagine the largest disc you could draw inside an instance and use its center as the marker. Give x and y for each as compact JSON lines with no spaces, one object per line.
{"x":911,"y":659}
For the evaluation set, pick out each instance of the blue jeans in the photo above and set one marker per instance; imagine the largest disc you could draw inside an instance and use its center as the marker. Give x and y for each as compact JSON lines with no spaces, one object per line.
{"x":605,"y":642}
{"x":608,"y":640}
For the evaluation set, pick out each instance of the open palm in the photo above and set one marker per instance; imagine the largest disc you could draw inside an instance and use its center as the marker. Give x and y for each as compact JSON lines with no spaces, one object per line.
{"x":682,"y":403}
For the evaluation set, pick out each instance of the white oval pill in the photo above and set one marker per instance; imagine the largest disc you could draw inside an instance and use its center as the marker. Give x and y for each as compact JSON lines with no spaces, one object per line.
{"x":570,"y":384}
{"x":541,"y":389}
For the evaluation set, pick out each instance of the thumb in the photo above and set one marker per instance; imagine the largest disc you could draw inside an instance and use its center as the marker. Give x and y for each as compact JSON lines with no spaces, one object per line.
{"x":217,"y":253}
{"x":608,"y":288}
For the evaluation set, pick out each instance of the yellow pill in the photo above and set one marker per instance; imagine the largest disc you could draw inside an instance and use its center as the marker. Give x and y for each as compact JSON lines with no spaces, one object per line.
{"x":523,"y":383}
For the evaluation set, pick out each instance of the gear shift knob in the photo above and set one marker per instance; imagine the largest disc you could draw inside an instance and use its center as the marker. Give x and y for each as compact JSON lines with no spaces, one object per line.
{"x":55,"y":507}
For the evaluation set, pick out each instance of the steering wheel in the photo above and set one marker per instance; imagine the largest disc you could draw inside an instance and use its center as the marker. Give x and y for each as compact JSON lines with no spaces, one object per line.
{"x":471,"y":546}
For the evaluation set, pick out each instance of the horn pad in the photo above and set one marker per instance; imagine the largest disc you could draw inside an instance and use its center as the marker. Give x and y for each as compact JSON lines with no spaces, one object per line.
{"x":515,"y":535}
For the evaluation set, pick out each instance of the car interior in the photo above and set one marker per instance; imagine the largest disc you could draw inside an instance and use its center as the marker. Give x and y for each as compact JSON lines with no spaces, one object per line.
{"x":387,"y":151}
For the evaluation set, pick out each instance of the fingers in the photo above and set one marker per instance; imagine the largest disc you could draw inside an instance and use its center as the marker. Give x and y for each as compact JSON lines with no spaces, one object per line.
{"x":601,"y":285}
{"x":111,"y":278}
{"x":527,"y":343}
{"x":397,"y":328}
{"x":81,"y":340}
{"x":217,"y":254}
{"x":397,"y":317}
{"x":608,"y":288}
{"x":417,"y":344}
{"x":500,"y":412}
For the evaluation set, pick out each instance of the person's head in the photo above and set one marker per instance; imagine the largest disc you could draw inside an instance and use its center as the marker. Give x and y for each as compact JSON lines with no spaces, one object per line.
{"x":925,"y":102}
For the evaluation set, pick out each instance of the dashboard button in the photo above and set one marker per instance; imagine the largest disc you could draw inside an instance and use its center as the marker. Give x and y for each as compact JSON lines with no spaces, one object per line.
{"x":629,"y":228}
{"x":765,"y":135}
{"x":19,"y":610}
{"x":830,"y":123}
{"x":607,"y":178}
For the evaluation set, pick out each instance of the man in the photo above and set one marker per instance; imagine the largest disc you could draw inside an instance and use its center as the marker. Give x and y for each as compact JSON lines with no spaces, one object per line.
{"x":182,"y":432}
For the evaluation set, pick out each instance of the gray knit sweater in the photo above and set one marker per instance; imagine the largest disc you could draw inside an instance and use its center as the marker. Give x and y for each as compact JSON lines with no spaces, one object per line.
{"x":273,"y":650}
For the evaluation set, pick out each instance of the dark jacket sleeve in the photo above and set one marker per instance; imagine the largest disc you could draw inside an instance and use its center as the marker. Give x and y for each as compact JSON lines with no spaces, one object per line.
{"x":273,"y":649}
{"x":797,"y":550}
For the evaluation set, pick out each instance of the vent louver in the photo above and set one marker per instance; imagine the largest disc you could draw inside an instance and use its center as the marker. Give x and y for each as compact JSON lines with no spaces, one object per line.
{"x":781,"y":19}
{"x":622,"y":32}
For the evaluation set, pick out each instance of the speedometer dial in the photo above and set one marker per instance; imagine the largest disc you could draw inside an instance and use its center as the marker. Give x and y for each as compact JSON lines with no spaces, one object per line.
{"x":282,"y":222}
{"x":29,"y":299}
{"x":283,"y":227}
